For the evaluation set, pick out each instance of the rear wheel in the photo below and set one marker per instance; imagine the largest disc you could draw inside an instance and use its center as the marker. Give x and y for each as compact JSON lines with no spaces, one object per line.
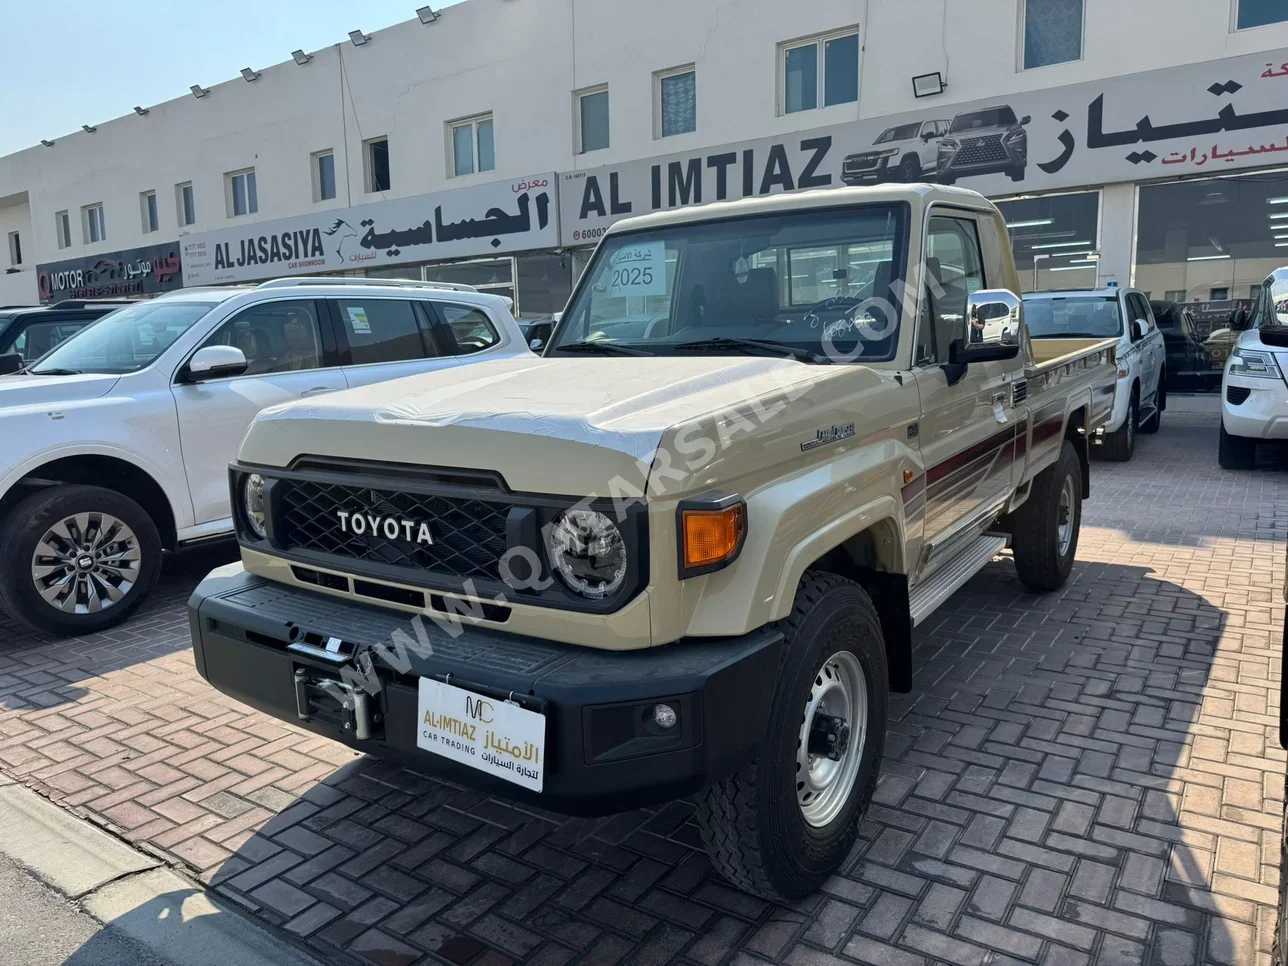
{"x":1120,"y":444}
{"x":1236,"y":452}
{"x":784,"y":823}
{"x":77,"y":559}
{"x":1045,"y":529}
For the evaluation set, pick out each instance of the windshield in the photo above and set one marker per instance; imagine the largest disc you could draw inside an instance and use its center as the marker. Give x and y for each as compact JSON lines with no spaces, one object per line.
{"x":126,"y":340}
{"x":1079,"y":317}
{"x":821,"y":280}
{"x":993,"y":117}
{"x":901,"y":133}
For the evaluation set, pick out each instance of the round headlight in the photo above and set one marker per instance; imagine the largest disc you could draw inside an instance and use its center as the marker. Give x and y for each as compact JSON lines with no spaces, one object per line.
{"x":253,"y":504}
{"x":587,"y":550}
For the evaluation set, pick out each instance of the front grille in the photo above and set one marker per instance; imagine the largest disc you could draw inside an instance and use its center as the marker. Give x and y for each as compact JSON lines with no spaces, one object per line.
{"x":1237,"y":395}
{"x":981,"y":150}
{"x":469,"y":535}
{"x":862,"y":162}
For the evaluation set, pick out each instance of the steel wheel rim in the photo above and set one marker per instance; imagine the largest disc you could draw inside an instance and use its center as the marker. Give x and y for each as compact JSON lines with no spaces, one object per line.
{"x":86,"y":563}
{"x":823,"y":785}
{"x":1064,"y":516}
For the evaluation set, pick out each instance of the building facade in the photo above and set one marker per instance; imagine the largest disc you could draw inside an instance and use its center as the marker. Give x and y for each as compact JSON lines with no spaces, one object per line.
{"x":1128,"y":144}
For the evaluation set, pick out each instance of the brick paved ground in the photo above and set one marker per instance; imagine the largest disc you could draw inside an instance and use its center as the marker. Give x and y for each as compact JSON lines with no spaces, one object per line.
{"x":1085,"y":777}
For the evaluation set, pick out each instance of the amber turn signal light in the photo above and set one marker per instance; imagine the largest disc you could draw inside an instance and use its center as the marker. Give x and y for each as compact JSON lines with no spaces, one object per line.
{"x":712,"y":537}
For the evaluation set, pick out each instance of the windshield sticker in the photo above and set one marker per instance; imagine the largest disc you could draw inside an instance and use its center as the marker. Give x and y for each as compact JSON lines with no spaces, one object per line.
{"x":358,"y":320}
{"x":639,"y":270}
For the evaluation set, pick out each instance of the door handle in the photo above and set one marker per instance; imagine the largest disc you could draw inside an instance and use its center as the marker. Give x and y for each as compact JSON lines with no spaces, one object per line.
{"x":316,"y":390}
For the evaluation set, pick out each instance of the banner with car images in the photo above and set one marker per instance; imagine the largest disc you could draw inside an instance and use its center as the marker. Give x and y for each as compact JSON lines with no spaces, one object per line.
{"x":1217,"y":116}
{"x":150,"y":270}
{"x":500,"y":217}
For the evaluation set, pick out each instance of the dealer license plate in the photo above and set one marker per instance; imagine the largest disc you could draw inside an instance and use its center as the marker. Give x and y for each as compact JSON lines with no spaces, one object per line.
{"x":496,"y":737}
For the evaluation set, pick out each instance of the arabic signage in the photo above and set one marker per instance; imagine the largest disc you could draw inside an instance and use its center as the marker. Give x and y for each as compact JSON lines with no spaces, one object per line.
{"x":1220,"y":115}
{"x":506,"y":216}
{"x":137,"y":271}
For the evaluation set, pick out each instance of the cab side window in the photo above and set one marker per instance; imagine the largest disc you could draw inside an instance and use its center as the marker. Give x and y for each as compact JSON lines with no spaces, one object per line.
{"x":274,"y":337}
{"x":382,"y":330}
{"x":1138,"y":308}
{"x":954,"y":269}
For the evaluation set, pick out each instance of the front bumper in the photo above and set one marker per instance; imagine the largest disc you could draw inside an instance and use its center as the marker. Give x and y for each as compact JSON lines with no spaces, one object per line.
{"x":1263,"y":414}
{"x":601,"y":755}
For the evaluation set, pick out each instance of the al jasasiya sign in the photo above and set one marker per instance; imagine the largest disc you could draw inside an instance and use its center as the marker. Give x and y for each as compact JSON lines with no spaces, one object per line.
{"x":501,"y":217}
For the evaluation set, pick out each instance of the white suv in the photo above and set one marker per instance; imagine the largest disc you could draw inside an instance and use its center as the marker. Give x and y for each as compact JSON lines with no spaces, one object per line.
{"x":116,"y":444}
{"x":1123,"y":313}
{"x":1254,"y":395}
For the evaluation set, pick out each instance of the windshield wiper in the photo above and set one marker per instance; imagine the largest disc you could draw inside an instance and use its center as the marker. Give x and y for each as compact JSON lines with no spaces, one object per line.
{"x":758,"y":346}
{"x":52,"y":372}
{"x":605,"y":348}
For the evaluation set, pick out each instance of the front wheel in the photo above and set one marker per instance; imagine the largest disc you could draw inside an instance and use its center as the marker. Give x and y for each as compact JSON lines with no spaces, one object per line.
{"x":77,"y":559}
{"x":910,"y":169}
{"x":1045,"y":528}
{"x":1236,"y":452}
{"x":782,"y":824}
{"x":1120,"y":444}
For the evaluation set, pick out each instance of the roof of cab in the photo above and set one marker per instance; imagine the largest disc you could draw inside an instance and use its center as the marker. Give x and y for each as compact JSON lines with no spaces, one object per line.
{"x":918,"y":195}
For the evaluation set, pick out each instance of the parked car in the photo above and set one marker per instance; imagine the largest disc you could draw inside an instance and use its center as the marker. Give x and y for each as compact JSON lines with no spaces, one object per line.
{"x":117,"y":443}
{"x":27,"y":332}
{"x":907,"y":152}
{"x":990,"y":141}
{"x":681,"y":559}
{"x":1190,"y":367}
{"x":537,"y":331}
{"x":1254,"y":395}
{"x":1122,"y":313}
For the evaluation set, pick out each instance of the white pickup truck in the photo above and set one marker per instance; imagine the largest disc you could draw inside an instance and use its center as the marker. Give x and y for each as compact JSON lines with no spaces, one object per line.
{"x":115,"y":445}
{"x":684,"y":552}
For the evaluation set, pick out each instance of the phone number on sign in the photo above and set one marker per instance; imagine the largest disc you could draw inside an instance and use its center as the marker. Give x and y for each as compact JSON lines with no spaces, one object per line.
{"x":587,"y":234}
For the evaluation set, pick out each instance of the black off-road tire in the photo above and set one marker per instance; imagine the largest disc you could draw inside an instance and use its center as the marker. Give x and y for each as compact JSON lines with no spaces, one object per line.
{"x":1236,"y":452}
{"x":1035,"y":526}
{"x":910,"y":169}
{"x":751,"y":822}
{"x":29,"y":520}
{"x":1118,"y":446}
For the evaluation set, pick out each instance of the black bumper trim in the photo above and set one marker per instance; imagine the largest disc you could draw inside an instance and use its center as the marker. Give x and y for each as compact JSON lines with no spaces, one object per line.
{"x":242,"y":626}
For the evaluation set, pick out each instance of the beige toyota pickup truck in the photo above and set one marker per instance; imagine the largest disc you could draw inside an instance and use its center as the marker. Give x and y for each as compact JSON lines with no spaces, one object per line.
{"x":684,"y":552}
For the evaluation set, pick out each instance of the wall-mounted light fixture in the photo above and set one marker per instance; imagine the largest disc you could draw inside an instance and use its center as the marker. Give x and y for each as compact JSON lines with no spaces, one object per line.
{"x":48,"y":144}
{"x":249,"y":75}
{"x":928,"y":85}
{"x":301,"y":57}
{"x":88,"y":128}
{"x":140,"y":111}
{"x":426,"y":14}
{"x":198,"y":90}
{"x":357,"y":38}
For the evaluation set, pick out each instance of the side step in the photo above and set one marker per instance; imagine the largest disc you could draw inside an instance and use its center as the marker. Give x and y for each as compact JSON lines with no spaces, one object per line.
{"x":926,"y":598}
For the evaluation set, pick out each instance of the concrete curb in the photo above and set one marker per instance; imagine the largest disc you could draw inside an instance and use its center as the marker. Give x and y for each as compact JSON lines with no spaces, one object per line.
{"x":128,"y":892}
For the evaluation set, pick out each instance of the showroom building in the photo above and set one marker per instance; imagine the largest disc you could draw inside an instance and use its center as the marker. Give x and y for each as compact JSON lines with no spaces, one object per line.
{"x":493,"y":141}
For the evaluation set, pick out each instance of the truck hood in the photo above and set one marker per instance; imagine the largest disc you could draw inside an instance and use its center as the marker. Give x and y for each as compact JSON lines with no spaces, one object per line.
{"x":549,"y":425}
{"x":18,"y":391}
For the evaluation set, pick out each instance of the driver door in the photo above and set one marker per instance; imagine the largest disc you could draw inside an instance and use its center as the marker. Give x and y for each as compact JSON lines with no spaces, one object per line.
{"x":289,"y":359}
{"x":967,"y":427}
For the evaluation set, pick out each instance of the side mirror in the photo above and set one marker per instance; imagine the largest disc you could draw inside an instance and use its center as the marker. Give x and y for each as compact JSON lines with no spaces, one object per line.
{"x":991,"y":329}
{"x":535,"y":345}
{"x":10,"y":363}
{"x":1026,"y":119}
{"x":214,"y":362}
{"x":1139,"y":329}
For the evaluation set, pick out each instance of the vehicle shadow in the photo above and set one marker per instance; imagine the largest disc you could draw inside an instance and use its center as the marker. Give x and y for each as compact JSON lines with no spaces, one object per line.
{"x":41,"y":671}
{"x":1052,"y":791}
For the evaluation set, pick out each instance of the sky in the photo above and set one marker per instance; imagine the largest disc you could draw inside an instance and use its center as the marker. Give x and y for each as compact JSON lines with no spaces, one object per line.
{"x":71,"y":62}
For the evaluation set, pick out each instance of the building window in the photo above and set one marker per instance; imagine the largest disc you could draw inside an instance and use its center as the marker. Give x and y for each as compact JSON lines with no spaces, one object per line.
{"x":323,"y":166}
{"x":185,"y":204}
{"x":93,"y":226}
{"x":1052,"y":32}
{"x":472,"y":147}
{"x":806,"y":87}
{"x":592,"y":119}
{"x":375,"y":154}
{"x":1056,"y":240}
{"x":1258,"y":13}
{"x":15,"y":249}
{"x":239,"y":189}
{"x":148,"y":209}
{"x":63,"y":229}
{"x":675,"y":102}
